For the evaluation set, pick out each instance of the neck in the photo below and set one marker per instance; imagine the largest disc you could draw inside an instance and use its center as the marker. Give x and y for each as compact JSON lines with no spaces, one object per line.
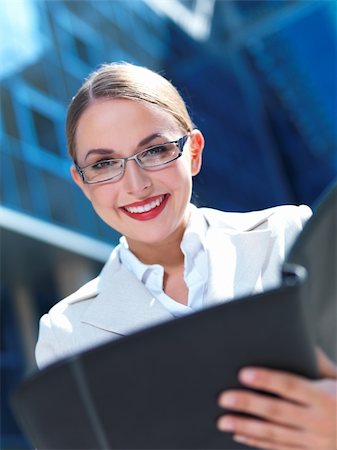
{"x":167,"y":252}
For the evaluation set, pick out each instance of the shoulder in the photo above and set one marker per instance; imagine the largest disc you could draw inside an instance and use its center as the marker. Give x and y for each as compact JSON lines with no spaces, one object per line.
{"x":64,"y":314}
{"x":61,"y":330}
{"x":279,"y":217}
{"x":56,"y":327}
{"x":262,"y":238}
{"x":89,"y":290}
{"x":70,"y":306}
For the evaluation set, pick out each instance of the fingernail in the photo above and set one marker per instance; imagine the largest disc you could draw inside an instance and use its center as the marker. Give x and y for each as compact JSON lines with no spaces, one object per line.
{"x":227,"y":400}
{"x":247,"y":375}
{"x":239,"y":438}
{"x":225,"y":424}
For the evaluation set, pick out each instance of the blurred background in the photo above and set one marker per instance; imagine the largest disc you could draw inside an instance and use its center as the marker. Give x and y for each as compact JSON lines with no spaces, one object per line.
{"x":260,"y":81}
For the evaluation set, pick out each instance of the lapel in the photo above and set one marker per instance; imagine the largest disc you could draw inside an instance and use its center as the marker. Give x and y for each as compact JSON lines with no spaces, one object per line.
{"x":237,"y":253}
{"x":122,"y":304}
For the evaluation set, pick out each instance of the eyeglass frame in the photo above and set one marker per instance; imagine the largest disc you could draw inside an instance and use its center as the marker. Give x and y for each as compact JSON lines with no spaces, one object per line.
{"x":179,"y":142}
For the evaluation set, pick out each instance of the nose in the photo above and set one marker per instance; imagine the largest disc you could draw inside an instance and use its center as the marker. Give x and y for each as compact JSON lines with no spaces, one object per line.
{"x":136,"y":180}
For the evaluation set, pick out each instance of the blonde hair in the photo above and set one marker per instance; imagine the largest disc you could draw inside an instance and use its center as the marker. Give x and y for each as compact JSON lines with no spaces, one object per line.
{"x":124,"y":80}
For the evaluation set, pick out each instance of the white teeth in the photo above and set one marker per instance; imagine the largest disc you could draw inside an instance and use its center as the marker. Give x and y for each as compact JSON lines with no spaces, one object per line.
{"x":145,"y":208}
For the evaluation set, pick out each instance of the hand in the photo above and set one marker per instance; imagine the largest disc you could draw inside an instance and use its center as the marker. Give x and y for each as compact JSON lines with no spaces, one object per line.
{"x":304,"y":417}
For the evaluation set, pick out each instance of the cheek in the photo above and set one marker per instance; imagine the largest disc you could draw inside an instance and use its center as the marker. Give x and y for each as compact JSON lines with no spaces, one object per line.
{"x":181,"y":182}
{"x":183,"y":174}
{"x":102,"y":195}
{"x":180,"y":173}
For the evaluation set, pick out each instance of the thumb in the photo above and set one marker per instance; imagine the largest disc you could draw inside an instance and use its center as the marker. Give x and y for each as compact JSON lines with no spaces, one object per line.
{"x":326,"y":366}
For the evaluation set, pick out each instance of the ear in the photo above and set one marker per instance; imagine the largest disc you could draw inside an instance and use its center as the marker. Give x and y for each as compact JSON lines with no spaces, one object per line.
{"x":78,"y":180}
{"x":196,"y":148}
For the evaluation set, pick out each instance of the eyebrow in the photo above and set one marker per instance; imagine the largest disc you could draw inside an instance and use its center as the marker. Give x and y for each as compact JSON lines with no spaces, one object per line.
{"x":107,"y":151}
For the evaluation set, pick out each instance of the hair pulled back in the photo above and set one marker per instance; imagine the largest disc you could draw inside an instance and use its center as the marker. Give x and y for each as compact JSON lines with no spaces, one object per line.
{"x":124,"y":80}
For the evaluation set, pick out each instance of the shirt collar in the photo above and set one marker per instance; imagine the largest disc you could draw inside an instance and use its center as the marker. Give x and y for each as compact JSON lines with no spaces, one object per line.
{"x":193,"y":240}
{"x":130,"y":261}
{"x":195,"y":233}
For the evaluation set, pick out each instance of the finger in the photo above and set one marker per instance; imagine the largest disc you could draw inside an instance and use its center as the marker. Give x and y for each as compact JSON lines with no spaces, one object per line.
{"x":284,"y":384}
{"x":261,"y":430}
{"x":314,"y":442}
{"x":276,"y":410}
{"x":326,"y":367}
{"x":262,"y":443}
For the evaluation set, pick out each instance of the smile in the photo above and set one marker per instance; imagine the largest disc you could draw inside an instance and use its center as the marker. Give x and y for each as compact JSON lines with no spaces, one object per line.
{"x":147,"y":209}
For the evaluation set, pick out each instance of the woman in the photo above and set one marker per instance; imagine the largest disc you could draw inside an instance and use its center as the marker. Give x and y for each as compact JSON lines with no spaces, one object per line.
{"x":135,"y":151}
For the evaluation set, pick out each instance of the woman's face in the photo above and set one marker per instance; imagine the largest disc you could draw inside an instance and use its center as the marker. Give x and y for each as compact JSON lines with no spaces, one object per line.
{"x":119,"y":128}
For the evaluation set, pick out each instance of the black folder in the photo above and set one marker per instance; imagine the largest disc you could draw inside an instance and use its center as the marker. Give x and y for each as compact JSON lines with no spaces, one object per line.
{"x":157,"y":389}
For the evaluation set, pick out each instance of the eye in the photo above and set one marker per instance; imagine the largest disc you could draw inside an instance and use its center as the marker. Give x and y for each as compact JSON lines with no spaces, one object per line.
{"x":155,"y":151}
{"x":107,"y":163}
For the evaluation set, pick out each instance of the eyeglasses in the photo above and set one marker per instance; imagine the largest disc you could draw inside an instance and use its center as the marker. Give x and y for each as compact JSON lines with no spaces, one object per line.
{"x":149,"y":159}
